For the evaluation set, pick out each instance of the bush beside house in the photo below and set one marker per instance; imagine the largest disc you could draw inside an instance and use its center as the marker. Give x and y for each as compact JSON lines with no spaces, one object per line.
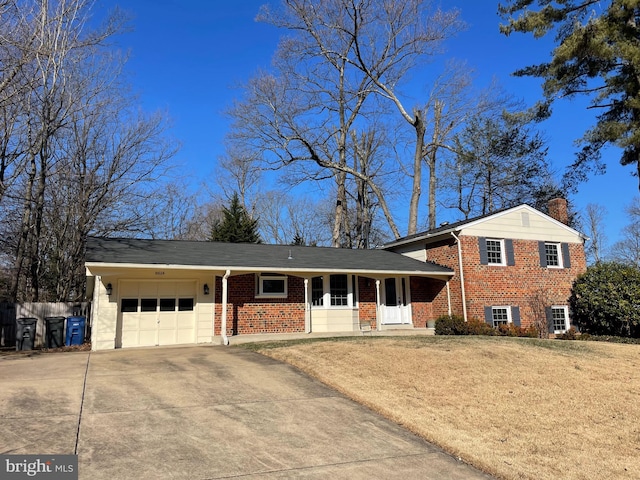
{"x":605,"y":300}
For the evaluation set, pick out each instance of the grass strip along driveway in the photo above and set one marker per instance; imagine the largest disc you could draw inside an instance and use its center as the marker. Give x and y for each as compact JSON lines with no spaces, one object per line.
{"x":515,"y":408}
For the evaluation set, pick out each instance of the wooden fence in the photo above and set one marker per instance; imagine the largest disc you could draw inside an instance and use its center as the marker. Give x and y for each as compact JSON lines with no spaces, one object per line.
{"x":10,"y":312}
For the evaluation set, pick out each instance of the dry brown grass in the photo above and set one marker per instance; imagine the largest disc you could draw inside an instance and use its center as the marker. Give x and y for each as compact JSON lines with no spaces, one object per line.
{"x":515,"y":408}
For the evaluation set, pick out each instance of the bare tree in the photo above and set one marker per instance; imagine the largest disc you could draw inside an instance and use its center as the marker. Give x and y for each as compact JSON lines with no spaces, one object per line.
{"x":627,"y":250}
{"x":451,"y":102}
{"x":595,"y":215}
{"x":61,"y":44}
{"x":389,"y":45}
{"x":240,"y":172}
{"x":84,"y":161}
{"x":539,"y":301}
{"x":339,"y":52}
{"x":284,"y":218}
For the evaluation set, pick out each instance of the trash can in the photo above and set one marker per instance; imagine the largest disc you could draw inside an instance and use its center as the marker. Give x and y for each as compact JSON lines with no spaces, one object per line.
{"x":55,"y":332}
{"x":26,"y":333}
{"x":75,"y":330}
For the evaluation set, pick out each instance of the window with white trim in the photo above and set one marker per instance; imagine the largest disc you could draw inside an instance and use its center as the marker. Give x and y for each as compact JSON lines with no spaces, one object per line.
{"x":560,"y":318}
{"x":317,"y":291}
{"x":272,"y":285}
{"x":552,"y":254}
{"x":331,"y":291}
{"x":500,"y":315}
{"x":339,"y":290}
{"x":494,"y":252}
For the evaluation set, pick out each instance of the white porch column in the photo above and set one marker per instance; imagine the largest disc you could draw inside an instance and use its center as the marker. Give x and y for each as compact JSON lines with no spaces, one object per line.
{"x":223,"y":323}
{"x":307,"y":308}
{"x":378,"y":309}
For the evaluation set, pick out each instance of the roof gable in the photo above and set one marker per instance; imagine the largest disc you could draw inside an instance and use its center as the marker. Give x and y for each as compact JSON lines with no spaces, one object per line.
{"x":505,"y":222}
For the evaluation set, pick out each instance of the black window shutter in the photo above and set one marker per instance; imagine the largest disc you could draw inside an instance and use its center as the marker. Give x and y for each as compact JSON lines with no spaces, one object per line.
{"x":482,"y":245}
{"x":543,"y":254}
{"x":488,"y":315}
{"x":515,"y":315}
{"x":549,"y":315}
{"x":566,"y":259}
{"x":508,"y":246}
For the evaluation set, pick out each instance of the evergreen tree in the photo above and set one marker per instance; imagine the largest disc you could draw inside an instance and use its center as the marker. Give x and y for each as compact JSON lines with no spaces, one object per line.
{"x":298,"y":240}
{"x":597,"y":55}
{"x":236,"y":226}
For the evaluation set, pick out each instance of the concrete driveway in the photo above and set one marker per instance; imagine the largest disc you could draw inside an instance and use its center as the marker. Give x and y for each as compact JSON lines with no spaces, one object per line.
{"x":201,"y":413}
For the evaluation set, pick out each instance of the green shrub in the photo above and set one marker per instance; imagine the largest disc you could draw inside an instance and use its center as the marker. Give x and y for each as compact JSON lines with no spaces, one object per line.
{"x":450,"y":325}
{"x":608,"y":338}
{"x":477,"y":327}
{"x":455,"y":325}
{"x":605,"y":300}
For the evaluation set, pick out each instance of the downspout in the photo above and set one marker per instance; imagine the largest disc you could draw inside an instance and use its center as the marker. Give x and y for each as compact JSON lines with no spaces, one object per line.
{"x":223,"y":325}
{"x":307,"y":309}
{"x":462,"y":292}
{"x":378,"y":316}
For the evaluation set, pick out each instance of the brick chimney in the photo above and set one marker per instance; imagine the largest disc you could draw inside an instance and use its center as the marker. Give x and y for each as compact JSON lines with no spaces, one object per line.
{"x":558,"y":210}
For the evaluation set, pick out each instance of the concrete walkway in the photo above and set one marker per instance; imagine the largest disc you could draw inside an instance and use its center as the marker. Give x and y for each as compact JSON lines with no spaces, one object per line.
{"x":201,"y":413}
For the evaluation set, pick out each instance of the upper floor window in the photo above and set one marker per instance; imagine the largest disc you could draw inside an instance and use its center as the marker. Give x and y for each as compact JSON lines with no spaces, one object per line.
{"x":554,"y":255}
{"x":495,"y":251}
{"x":272,"y":285}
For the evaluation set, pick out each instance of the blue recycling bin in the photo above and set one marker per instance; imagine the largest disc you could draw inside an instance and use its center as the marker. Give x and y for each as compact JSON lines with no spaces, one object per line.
{"x":75,"y":331}
{"x":26,"y":333}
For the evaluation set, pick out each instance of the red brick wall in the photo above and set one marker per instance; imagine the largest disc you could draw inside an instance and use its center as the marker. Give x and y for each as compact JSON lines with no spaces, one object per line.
{"x":247,"y":314}
{"x":446,"y":253}
{"x":423,"y":292}
{"x":367,"y":305}
{"x":519,"y":285}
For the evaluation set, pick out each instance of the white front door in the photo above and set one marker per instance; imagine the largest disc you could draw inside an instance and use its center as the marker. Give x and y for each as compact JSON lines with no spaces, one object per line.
{"x":395,"y":304}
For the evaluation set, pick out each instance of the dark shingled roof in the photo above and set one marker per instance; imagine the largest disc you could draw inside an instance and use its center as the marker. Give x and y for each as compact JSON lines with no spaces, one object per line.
{"x":443,"y":228}
{"x":259,"y":257}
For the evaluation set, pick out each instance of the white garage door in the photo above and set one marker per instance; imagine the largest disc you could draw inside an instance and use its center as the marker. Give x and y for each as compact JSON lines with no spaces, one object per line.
{"x":157,"y":313}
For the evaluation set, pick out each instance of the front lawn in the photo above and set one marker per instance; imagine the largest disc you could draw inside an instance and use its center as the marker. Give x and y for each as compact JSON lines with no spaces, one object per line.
{"x":517,"y":408}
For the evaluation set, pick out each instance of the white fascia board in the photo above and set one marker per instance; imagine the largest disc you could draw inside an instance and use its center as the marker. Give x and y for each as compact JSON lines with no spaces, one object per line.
{"x":242,"y":270}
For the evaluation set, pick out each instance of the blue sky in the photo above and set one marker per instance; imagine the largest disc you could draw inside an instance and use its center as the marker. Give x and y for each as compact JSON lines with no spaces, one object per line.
{"x":187,"y":56}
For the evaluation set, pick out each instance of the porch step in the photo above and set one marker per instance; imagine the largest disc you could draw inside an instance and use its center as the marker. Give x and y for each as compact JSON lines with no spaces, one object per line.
{"x":399,"y":326}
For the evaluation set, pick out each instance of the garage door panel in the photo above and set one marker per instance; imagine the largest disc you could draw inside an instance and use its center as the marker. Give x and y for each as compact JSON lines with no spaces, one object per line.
{"x":147,"y":338}
{"x":168,"y":322}
{"x":167,"y":337}
{"x":185,"y":336}
{"x":130,"y":322}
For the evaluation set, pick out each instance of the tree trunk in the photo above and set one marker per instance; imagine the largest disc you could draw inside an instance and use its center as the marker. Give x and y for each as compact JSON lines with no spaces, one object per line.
{"x":416,"y":188}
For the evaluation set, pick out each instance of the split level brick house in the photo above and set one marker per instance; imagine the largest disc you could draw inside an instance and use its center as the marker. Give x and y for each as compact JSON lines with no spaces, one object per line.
{"x":161,"y":292}
{"x":512,"y":266}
